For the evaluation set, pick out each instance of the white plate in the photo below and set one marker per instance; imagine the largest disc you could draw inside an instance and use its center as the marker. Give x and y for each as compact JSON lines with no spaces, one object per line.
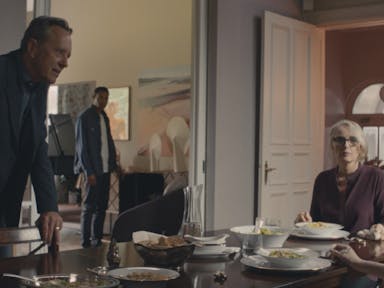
{"x":210,"y":240}
{"x":259,"y":262}
{"x":337,"y":234}
{"x":215,"y":252}
{"x":306,"y":256}
{"x":325,"y":229}
{"x":121,"y":274}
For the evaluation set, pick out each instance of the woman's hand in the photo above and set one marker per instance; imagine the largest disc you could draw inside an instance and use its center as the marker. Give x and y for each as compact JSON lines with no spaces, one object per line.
{"x":346,"y":254}
{"x":303,"y":217}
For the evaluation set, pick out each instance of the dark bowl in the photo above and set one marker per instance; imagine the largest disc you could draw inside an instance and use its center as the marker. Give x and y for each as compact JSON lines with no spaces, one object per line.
{"x":165,"y":257}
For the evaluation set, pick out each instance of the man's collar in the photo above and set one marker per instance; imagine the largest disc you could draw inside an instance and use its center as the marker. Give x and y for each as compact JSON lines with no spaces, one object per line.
{"x":25,"y":77}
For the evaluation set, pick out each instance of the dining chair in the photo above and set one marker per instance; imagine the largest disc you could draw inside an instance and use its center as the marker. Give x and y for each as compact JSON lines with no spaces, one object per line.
{"x":10,"y":237}
{"x":163,"y":215}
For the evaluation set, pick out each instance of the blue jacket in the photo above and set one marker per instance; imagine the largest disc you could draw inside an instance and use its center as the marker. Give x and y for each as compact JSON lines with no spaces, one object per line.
{"x":88,"y":143}
{"x":39,"y":167}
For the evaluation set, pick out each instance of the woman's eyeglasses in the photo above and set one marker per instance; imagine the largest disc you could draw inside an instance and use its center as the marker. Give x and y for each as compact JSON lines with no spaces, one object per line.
{"x":340,"y":140}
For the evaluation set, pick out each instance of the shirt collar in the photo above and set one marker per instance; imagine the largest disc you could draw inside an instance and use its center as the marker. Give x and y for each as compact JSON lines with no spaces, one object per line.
{"x":25,"y":77}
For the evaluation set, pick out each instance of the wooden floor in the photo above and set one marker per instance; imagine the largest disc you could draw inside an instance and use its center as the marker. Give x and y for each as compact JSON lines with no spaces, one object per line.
{"x":70,"y":234}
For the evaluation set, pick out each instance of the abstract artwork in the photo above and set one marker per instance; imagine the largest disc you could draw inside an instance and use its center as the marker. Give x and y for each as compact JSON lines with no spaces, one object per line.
{"x":163,"y":94}
{"x":118,"y":111}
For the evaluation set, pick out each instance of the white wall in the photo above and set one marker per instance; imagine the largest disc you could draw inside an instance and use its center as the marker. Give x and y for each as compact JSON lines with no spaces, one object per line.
{"x":113,"y":41}
{"x":235,"y":120}
{"x":12,"y":24}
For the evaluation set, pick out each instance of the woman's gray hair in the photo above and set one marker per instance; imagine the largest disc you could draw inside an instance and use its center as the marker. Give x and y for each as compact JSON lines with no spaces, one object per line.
{"x":356,"y":130}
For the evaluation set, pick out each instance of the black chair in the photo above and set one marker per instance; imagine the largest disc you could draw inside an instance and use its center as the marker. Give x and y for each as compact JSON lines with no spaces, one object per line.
{"x":9,"y":237}
{"x":163,"y":215}
{"x":138,"y":188}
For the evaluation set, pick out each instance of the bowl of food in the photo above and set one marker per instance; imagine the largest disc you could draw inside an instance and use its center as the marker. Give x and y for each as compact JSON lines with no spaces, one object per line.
{"x":71,"y":280}
{"x":318,"y":227}
{"x":286,"y":258}
{"x":171,"y":251}
{"x":274,"y":236}
{"x":143,"y":276}
{"x":242,"y":231}
{"x":269,"y":236}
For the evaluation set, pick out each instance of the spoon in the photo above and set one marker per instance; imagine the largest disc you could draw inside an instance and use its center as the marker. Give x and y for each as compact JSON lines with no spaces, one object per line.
{"x":99,"y":270}
{"x":259,"y":222}
{"x":30,"y":281}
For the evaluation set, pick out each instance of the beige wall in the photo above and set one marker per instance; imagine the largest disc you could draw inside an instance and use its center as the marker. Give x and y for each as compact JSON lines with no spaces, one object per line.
{"x":113,"y":41}
{"x":12,"y":24}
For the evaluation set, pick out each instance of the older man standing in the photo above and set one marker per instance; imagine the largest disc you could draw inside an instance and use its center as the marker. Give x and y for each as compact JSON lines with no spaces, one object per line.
{"x":25,"y":75}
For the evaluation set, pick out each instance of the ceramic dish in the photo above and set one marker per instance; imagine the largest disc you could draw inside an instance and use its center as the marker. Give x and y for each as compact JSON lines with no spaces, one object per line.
{"x":143,"y":276}
{"x":287,"y":257}
{"x":260,"y":263}
{"x":73,"y":280}
{"x":271,"y":236}
{"x":318,"y":228}
{"x":337,"y":234}
{"x":210,"y":240}
{"x":215,"y":252}
{"x":274,"y":236}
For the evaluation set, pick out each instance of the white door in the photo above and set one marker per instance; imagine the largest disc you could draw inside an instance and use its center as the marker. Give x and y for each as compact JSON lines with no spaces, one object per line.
{"x":292,"y":116}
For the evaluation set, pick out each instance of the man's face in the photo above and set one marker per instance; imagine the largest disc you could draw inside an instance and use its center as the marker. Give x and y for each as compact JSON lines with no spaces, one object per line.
{"x":50,"y":57}
{"x":101,"y":100}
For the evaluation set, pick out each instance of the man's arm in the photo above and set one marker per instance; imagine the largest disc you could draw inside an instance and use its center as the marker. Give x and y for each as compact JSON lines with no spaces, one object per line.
{"x":82,"y":143}
{"x":50,"y":222}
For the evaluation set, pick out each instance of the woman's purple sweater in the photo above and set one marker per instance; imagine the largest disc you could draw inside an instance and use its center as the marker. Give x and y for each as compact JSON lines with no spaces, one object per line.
{"x":364,"y":199}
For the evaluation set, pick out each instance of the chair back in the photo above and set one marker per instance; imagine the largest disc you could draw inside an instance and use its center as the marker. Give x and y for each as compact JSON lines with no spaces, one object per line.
{"x":17,"y":241}
{"x":19,"y":235}
{"x":163,"y":215}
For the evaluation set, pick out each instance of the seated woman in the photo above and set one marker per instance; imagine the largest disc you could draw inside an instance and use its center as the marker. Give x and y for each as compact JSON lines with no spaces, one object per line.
{"x":351,"y":194}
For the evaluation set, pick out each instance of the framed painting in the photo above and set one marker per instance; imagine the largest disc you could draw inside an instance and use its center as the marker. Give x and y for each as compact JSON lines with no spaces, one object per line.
{"x":118,"y":111}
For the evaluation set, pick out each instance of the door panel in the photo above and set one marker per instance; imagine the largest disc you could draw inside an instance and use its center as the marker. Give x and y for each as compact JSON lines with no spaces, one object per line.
{"x":292,"y":115}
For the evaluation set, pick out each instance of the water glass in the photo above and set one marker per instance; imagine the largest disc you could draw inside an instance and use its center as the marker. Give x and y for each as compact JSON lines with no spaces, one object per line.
{"x":250,"y":244}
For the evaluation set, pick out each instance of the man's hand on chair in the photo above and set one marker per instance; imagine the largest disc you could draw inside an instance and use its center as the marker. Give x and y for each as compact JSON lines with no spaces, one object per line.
{"x":50,"y":223}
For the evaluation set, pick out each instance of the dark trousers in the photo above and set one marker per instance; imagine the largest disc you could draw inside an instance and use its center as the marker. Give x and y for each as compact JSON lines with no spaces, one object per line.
{"x":93,"y":211}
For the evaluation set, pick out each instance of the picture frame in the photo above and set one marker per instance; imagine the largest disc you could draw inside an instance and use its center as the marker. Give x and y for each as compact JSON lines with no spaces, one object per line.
{"x":118,"y":110}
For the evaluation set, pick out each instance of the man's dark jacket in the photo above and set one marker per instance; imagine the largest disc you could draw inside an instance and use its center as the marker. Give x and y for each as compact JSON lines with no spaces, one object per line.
{"x":38,"y":165}
{"x":88,"y":143}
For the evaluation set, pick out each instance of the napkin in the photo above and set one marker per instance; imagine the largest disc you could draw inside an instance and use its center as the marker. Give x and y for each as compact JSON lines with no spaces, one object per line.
{"x":210,"y":240}
{"x":140,"y":236}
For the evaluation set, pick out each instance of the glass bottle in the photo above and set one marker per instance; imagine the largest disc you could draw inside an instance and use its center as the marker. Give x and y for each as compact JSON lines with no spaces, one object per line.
{"x":192,"y":220}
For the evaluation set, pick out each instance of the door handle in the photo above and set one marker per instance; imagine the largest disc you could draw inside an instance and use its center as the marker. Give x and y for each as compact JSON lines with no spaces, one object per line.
{"x":266,"y":171}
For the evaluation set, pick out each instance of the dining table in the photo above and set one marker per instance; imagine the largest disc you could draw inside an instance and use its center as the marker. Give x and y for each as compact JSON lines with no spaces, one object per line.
{"x":197,"y":272}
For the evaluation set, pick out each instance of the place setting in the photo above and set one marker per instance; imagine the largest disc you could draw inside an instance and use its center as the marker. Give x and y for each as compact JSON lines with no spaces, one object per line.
{"x":212,"y":247}
{"x":263,"y":249}
{"x":286,"y":260}
{"x":319,"y":231}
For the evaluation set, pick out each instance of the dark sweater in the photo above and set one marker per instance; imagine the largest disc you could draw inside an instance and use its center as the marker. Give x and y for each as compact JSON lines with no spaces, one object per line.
{"x":364,"y":199}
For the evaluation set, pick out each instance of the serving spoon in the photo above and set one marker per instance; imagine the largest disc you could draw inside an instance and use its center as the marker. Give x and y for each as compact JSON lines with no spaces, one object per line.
{"x":33,"y":282}
{"x":259,"y":222}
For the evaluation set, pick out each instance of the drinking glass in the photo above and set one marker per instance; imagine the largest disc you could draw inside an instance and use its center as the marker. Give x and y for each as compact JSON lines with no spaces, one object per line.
{"x":192,"y":223}
{"x":251,"y":242}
